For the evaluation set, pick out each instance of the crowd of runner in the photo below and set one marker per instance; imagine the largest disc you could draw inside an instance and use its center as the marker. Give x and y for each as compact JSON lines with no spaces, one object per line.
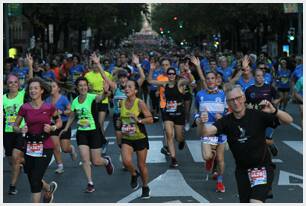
{"x":219,"y":93}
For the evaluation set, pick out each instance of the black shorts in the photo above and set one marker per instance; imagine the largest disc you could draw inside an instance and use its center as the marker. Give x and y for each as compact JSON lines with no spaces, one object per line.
{"x":187,"y":96}
{"x":116,"y":121}
{"x":176,"y":119}
{"x":102,"y":107}
{"x":137,"y":145}
{"x":12,"y":140}
{"x":258,"y":192}
{"x":65,"y":135}
{"x":90,"y":138}
{"x":283,"y":89}
{"x":35,"y":168}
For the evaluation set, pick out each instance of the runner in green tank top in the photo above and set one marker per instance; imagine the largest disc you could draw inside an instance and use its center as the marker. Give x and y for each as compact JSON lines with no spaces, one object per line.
{"x":13,"y":142}
{"x":134,"y":136}
{"x":88,"y":138}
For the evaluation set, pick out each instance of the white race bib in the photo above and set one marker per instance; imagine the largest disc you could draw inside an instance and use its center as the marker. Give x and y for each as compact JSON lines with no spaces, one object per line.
{"x":35,"y":149}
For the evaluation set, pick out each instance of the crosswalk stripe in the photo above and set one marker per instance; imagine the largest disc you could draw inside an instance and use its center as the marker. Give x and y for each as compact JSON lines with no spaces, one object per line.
{"x":195,"y":150}
{"x":296,"y":145}
{"x":154,"y":155}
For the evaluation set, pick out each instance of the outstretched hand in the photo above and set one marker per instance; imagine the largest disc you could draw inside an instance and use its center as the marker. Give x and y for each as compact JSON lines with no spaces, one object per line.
{"x":195,"y":60}
{"x":29,"y":59}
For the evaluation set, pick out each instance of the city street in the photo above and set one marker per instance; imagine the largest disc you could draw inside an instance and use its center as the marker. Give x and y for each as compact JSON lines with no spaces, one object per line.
{"x":187,"y":184}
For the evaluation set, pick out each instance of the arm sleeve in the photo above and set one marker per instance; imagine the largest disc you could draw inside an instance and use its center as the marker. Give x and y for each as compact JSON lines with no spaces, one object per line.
{"x":22,"y":111}
{"x":220,"y":125}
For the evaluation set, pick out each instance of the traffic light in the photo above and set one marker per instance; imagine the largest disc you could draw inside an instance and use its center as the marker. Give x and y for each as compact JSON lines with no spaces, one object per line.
{"x":161,"y":29}
{"x":181,"y":25}
{"x":291,"y":34}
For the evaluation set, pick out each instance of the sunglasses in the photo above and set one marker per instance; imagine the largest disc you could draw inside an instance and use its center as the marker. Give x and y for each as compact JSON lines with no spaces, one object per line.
{"x":232,"y":100}
{"x":171,"y":73}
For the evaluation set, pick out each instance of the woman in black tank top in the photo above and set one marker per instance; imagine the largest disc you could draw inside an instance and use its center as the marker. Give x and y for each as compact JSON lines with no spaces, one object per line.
{"x":173,"y":114}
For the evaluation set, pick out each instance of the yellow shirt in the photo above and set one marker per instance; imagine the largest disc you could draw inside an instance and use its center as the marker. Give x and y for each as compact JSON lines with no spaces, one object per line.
{"x":96,"y":83}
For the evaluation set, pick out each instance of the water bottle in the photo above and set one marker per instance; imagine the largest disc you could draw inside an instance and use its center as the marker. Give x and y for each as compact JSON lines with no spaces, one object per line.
{"x":202,"y":107}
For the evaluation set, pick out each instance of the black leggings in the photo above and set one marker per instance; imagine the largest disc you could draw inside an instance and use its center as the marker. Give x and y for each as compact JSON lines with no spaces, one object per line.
{"x":35,"y":167}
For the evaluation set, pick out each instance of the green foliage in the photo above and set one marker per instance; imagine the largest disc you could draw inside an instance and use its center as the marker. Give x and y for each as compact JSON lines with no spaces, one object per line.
{"x":205,"y":19}
{"x":114,"y":21}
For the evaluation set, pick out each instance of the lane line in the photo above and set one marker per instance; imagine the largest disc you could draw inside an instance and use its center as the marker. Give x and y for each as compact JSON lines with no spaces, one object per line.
{"x":296,"y":126}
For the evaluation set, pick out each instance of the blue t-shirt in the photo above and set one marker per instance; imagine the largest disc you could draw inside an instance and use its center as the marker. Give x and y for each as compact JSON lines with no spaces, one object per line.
{"x":145,"y":64}
{"x":110,"y":68}
{"x":204,"y":63}
{"x":244,"y":85}
{"x":268,"y":78}
{"x":214,"y":103}
{"x":227,"y":72}
{"x":283,"y":78}
{"x":48,"y":75}
{"x":61,"y":104}
{"x":22,"y":74}
{"x":298,"y":72}
{"x":155,"y":74}
{"x":76,"y":71}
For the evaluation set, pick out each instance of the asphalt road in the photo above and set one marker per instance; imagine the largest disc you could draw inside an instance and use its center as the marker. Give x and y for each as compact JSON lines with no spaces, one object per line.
{"x":188,"y":183}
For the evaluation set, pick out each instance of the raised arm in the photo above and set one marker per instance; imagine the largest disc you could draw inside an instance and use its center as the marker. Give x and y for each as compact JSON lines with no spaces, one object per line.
{"x":135,"y":60}
{"x":96,"y":60}
{"x":245,"y":64}
{"x":30,"y":63}
{"x":152,"y":81}
{"x":196,"y":62}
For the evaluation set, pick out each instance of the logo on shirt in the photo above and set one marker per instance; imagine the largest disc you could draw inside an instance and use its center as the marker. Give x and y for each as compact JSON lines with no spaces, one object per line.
{"x":218,"y":99}
{"x":242,"y":138}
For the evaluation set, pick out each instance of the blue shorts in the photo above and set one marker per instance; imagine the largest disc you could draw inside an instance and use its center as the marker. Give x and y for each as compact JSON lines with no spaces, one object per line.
{"x":214,"y":140}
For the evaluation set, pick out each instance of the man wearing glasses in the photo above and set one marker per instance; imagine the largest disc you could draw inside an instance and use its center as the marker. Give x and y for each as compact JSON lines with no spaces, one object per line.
{"x":245,"y":130}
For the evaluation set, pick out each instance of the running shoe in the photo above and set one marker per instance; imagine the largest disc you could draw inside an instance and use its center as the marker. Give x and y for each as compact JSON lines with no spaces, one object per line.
{"x":90,"y":188}
{"x":73,"y":153}
{"x":145,"y":193}
{"x":214,"y":175}
{"x":12,"y":190}
{"x":220,"y":187}
{"x":59,"y":170}
{"x":181,"y":145}
{"x":187,"y":126}
{"x":164,"y":150}
{"x":273,"y":149}
{"x":134,"y":181}
{"x":104,"y":147}
{"x":155,"y":119}
{"x":49,"y":196}
{"x":173,"y":162}
{"x":210,"y":163}
{"x":109,"y":167}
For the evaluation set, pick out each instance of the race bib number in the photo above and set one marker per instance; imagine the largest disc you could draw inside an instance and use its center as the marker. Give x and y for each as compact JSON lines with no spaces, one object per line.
{"x":210,"y":140}
{"x":171,"y":106}
{"x":83,"y":123}
{"x":11,"y":120}
{"x":257,"y":176}
{"x":35,"y":149}
{"x":129,"y":129}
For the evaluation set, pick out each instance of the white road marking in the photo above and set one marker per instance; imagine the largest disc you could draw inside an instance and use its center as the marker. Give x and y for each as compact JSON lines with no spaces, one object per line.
{"x":114,"y":137}
{"x":284,"y":178}
{"x":195,"y":150}
{"x":52,"y":160}
{"x":296,"y":126}
{"x":296,"y":145}
{"x":169,"y":184}
{"x":277,"y":161}
{"x":154,"y":155}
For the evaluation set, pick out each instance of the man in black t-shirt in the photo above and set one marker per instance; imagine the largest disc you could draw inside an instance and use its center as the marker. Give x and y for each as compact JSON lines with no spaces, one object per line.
{"x":258,"y":92}
{"x":245,"y":130}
